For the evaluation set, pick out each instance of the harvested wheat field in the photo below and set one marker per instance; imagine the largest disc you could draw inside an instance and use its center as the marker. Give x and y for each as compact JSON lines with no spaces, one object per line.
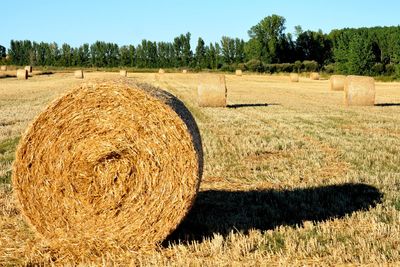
{"x":291,"y":176}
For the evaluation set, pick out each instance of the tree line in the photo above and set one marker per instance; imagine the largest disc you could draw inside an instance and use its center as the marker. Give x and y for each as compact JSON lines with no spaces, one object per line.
{"x":370,"y":51}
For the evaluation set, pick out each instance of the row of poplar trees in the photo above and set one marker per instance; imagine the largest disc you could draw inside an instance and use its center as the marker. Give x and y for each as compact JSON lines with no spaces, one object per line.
{"x":349,"y":51}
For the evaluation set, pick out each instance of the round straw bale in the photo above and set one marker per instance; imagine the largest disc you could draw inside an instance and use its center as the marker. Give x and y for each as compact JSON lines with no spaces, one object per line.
{"x":294,"y":77}
{"x":359,"y":91}
{"x":22,"y":74}
{"x":29,"y":69}
{"x":239,"y":73}
{"x":3,"y":68}
{"x":123,"y":73}
{"x":336,"y":82}
{"x":161,"y":71}
{"x":314,"y":76}
{"x":109,"y":163}
{"x":78,"y":74}
{"x":212,"y":90}
{"x":184,"y":71}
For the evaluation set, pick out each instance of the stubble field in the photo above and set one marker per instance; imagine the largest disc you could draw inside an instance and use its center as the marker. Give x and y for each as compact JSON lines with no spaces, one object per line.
{"x":291,"y":175}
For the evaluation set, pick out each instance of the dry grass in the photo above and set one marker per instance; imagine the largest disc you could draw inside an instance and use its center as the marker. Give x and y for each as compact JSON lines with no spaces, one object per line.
{"x":292,"y":176}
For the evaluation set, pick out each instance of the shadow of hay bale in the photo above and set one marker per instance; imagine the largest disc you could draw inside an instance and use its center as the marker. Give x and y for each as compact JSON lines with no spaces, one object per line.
{"x":251,"y":105}
{"x":221,"y":212}
{"x":388,"y":105}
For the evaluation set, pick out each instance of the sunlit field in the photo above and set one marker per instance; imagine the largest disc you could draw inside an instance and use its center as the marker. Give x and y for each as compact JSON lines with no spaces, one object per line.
{"x":291,"y":175}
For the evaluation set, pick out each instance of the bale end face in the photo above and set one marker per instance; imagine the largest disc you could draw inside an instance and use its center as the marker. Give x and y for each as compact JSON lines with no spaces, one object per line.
{"x":212,"y":91}
{"x":117,"y":177}
{"x":359,"y":91}
{"x":123,"y":73}
{"x":314,"y":76}
{"x":22,"y":74}
{"x":336,"y":82}
{"x":78,"y":74}
{"x":29,"y":69}
{"x":294,"y":77}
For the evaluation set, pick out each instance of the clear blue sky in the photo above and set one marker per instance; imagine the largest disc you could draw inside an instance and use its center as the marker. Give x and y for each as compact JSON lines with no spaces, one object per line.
{"x":128,"y":22}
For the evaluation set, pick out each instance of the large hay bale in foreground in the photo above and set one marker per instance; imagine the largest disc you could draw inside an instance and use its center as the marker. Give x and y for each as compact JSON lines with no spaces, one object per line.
{"x":336,"y":82}
{"x":212,"y":91}
{"x":359,"y":91}
{"x":22,"y":74}
{"x":29,"y":69}
{"x":109,"y":163}
{"x":3,"y":68}
{"x":294,"y":77}
{"x":78,"y":74}
{"x":314,"y":76}
{"x":161,"y":71}
{"x":239,"y":72}
{"x":123,"y":73}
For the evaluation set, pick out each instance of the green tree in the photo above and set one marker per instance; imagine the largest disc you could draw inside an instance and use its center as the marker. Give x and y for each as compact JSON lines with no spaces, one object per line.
{"x":2,"y":52}
{"x":200,"y":54}
{"x":269,"y":34}
{"x":228,"y":50}
{"x":361,"y":57}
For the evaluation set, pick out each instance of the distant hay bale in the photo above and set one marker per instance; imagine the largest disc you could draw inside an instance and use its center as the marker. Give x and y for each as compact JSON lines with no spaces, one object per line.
{"x":359,"y":91}
{"x":211,"y":90}
{"x":314,"y":76}
{"x":3,"y":68}
{"x":79,"y":74}
{"x":22,"y":74}
{"x":161,"y":71}
{"x":184,"y":71}
{"x":239,"y":73}
{"x":29,"y":69}
{"x":336,"y":82}
{"x":109,"y":163}
{"x":123,"y":73}
{"x":294,"y":77}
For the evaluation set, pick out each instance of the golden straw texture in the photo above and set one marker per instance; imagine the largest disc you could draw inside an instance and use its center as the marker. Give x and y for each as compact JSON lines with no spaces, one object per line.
{"x":314,"y":76}
{"x":212,"y":91}
{"x":28,"y":68}
{"x":336,"y":82}
{"x":22,"y":74}
{"x":239,"y":72}
{"x":294,"y":77}
{"x":3,"y":68}
{"x":123,"y":73}
{"x":161,"y":71}
{"x":78,"y":74}
{"x":359,"y":91}
{"x":109,"y":163}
